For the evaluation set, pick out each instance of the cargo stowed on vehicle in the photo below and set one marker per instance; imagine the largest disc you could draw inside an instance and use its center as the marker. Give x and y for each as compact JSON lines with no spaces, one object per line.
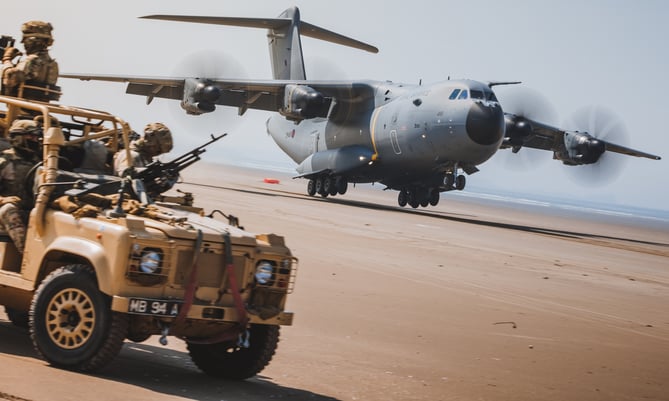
{"x":112,"y":258}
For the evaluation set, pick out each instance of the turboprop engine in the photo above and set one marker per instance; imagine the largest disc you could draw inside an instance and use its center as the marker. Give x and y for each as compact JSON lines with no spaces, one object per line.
{"x":200,"y":96}
{"x":302,"y":102}
{"x":582,"y":148}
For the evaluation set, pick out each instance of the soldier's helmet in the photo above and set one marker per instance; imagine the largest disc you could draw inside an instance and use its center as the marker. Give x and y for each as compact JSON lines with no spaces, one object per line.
{"x":157,"y":139}
{"x":37,"y":31}
{"x":25,"y":137}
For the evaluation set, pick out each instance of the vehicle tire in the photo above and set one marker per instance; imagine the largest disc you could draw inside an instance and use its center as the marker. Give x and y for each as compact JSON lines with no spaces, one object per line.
{"x":18,"y":318}
{"x":311,"y":187}
{"x":228,"y":361}
{"x":72,"y":325}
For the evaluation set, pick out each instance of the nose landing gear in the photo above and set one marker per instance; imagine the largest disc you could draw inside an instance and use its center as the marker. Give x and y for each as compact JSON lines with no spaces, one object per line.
{"x":423,"y":196}
{"x":452,"y":181}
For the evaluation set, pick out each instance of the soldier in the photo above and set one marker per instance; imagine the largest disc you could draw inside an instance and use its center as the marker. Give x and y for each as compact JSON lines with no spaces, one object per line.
{"x":157,"y":139}
{"x":33,"y":77}
{"x":25,"y":137}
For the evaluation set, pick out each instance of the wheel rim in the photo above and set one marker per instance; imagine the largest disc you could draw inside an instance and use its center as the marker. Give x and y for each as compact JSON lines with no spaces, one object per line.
{"x":70,"y":318}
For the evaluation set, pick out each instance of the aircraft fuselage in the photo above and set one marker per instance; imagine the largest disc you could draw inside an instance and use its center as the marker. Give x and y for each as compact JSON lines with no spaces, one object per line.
{"x":410,"y":132}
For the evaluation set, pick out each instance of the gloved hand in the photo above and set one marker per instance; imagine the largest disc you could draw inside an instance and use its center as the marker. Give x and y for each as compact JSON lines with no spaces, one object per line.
{"x":65,"y":204}
{"x":10,"y":53}
{"x":9,"y":199}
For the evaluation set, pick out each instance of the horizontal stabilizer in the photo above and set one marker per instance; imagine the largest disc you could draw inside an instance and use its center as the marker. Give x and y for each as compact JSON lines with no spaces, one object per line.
{"x":306,"y":29}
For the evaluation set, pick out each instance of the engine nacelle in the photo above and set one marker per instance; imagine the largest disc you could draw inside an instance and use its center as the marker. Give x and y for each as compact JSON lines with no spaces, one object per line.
{"x":303,"y":102}
{"x":517,"y":130}
{"x":581,"y":148}
{"x":200,"y":96}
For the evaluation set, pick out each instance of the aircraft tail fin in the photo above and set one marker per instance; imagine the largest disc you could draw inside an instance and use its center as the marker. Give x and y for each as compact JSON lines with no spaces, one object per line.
{"x":283,"y":36}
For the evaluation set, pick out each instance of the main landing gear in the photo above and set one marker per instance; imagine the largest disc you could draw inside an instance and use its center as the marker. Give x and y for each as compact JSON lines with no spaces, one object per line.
{"x":415,"y":196}
{"x":327,"y":185}
{"x":418,"y":197}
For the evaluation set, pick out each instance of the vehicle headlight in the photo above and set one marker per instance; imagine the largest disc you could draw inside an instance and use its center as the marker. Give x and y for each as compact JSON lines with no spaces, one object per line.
{"x":264,"y":272}
{"x":150,"y":262}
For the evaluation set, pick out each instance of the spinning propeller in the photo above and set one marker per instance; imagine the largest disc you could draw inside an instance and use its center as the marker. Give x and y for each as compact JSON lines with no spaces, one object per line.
{"x":201,"y":66}
{"x":592,"y":128}
{"x":524,"y":103}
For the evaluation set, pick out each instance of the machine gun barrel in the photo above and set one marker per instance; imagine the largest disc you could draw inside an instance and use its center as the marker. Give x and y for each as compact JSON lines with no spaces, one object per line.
{"x":191,"y":157}
{"x":159,"y":177}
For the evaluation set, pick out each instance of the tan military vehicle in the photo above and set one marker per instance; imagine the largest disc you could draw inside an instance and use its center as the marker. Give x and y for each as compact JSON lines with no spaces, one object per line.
{"x":106,"y":259}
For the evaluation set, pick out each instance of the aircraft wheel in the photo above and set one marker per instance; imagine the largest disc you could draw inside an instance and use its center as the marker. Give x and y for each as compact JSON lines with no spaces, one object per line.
{"x":413,"y":201}
{"x":333,"y":187}
{"x":327,"y":185}
{"x":423,"y":197}
{"x":434,"y":196}
{"x":341,"y":184}
{"x":319,"y":185}
{"x":460,"y":182}
{"x":402,"y":198}
{"x":311,"y":187}
{"x":449,"y":180}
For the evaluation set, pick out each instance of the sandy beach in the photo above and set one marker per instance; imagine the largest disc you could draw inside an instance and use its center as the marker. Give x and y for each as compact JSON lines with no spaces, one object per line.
{"x":468,"y":300}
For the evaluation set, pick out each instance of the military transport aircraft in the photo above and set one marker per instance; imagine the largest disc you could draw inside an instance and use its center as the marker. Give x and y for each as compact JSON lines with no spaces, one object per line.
{"x":416,"y":139}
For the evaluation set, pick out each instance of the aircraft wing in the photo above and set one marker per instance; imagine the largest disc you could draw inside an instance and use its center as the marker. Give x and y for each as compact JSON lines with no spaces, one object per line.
{"x":572,"y":147}
{"x":291,"y":98}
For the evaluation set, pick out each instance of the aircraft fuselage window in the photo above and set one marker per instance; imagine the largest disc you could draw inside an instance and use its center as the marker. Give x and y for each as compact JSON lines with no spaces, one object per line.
{"x":463,"y":95}
{"x":454,"y":94}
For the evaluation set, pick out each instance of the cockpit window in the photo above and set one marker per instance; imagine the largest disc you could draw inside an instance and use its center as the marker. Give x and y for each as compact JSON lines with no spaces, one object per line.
{"x":463,"y":95}
{"x":491,"y":96}
{"x":476,"y":94}
{"x":454,"y":94}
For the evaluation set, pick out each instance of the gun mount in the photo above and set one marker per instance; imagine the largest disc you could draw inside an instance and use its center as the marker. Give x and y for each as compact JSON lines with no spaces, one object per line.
{"x":160,"y":177}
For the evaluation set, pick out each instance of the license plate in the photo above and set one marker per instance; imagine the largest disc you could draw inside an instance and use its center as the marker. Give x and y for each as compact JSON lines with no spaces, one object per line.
{"x":152,"y":307}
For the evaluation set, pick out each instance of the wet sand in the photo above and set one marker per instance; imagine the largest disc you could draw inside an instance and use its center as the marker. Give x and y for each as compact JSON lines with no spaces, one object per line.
{"x":468,"y":300}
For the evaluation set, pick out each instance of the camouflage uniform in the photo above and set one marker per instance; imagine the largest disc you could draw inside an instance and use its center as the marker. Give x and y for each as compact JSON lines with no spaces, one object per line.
{"x":37,"y":71}
{"x":157,"y":140}
{"x":15,"y":165}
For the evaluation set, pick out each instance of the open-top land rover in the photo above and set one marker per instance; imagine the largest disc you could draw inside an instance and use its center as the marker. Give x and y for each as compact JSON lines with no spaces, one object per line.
{"x":112,"y":258}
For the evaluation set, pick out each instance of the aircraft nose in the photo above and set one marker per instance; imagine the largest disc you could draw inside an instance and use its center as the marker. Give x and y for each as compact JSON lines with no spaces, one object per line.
{"x":485,"y":123}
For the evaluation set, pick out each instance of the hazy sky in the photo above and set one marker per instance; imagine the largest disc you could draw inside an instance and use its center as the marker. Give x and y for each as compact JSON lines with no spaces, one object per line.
{"x":576,"y":54}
